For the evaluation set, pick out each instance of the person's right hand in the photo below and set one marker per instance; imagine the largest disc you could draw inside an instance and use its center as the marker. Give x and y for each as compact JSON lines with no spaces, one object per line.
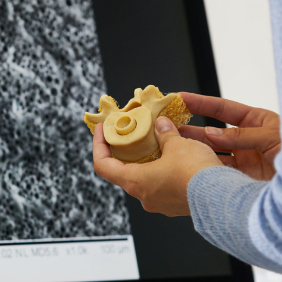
{"x":254,"y":142}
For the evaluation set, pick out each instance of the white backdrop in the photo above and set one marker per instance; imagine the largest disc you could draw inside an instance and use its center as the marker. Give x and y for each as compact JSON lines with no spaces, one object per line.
{"x":242,"y":45}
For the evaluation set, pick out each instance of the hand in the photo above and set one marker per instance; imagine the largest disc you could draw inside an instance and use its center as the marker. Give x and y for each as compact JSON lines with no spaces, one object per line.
{"x":161,"y":185}
{"x":254,"y":143}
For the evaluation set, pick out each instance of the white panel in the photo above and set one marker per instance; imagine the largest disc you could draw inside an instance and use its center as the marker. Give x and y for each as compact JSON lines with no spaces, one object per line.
{"x":262,"y":275}
{"x":242,"y":45}
{"x":88,"y":259}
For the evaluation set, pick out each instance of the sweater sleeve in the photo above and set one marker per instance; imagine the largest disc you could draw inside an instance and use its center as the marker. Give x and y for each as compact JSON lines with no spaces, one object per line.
{"x":226,"y":208}
{"x":236,"y":213}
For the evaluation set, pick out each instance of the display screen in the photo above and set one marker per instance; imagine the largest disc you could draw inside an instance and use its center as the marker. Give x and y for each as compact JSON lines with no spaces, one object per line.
{"x":59,"y":220}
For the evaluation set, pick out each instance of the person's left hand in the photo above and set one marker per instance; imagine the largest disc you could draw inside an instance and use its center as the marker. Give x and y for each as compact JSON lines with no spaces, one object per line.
{"x":254,"y":142}
{"x":161,"y":185}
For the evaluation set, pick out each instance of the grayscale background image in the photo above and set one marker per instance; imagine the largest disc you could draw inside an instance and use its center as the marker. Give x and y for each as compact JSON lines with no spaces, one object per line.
{"x":50,"y":74}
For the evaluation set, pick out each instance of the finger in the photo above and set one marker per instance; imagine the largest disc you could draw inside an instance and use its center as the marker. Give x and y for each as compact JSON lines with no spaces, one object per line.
{"x":126,"y":176}
{"x":101,"y":148}
{"x":222,"y":109}
{"x":198,"y":133}
{"x":104,"y":165}
{"x":164,"y":131}
{"x":261,"y":139}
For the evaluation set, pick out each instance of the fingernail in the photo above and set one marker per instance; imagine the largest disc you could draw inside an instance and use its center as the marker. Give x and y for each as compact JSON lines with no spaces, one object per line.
{"x":213,"y":131}
{"x":163,"y":124}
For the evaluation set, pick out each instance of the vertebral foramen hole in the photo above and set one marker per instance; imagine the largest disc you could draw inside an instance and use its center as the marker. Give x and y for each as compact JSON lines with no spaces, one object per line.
{"x":123,"y":122}
{"x":124,"y":125}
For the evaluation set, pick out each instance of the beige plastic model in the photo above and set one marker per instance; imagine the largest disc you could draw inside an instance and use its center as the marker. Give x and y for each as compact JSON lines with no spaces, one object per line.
{"x":130,"y":130}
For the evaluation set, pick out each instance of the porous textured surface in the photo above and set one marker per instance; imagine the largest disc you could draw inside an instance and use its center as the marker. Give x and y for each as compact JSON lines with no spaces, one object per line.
{"x":176,"y":111}
{"x":50,"y":72}
{"x":179,"y":114}
{"x":154,"y":156}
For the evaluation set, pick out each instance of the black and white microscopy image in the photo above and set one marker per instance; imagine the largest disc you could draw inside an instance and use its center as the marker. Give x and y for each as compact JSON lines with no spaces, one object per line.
{"x":50,"y":74}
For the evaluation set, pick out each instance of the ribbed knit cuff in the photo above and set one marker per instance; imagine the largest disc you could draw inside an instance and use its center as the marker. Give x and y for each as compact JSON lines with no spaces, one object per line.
{"x":220,"y":199}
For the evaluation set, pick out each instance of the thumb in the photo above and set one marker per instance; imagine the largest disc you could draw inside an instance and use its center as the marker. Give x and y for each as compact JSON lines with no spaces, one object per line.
{"x":164,"y":131}
{"x":250,"y":138}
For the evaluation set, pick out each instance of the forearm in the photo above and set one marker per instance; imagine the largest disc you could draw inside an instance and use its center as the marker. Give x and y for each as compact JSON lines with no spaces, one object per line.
{"x":221,"y":200}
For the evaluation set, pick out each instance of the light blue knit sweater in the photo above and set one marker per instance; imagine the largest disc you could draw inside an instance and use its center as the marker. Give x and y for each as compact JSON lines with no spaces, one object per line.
{"x":236,"y":213}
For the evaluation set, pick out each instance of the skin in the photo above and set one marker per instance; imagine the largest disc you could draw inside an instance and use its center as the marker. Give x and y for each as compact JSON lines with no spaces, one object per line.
{"x":161,"y":185}
{"x":254,"y":142}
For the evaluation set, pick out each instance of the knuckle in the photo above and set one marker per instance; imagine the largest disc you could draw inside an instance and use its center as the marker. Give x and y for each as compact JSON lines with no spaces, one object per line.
{"x":237,"y":132}
{"x":148,"y":208}
{"x":272,"y":139}
{"x":131,"y":187}
{"x":237,"y":135}
{"x":219,"y":110}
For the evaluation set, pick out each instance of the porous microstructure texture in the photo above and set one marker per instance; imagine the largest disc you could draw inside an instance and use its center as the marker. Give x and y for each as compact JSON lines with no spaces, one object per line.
{"x":50,"y":72}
